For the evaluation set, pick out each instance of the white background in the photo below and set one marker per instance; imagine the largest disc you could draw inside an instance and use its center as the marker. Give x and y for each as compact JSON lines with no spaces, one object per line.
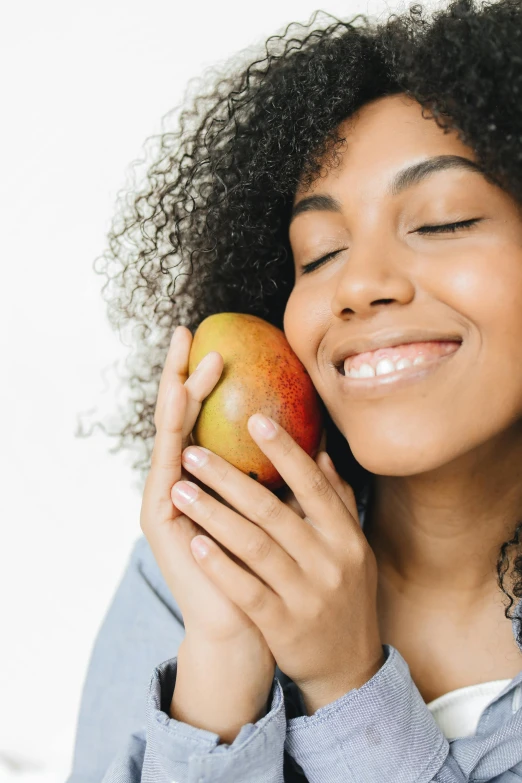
{"x":83,"y":86}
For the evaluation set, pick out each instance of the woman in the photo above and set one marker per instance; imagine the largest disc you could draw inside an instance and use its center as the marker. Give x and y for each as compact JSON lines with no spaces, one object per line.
{"x":360,"y":187}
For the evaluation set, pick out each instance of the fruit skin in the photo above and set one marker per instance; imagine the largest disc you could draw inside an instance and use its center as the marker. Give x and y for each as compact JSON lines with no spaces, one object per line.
{"x":260,"y":373}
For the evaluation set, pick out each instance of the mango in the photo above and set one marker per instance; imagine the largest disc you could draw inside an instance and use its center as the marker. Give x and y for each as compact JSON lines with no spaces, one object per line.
{"x":261,"y":373}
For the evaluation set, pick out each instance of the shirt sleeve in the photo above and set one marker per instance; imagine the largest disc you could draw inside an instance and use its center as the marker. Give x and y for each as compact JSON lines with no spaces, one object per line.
{"x":383,"y":731}
{"x":170,"y":751}
{"x":124,"y":733}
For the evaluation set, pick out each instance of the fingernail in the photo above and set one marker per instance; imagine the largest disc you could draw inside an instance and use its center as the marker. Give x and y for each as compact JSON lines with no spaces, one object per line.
{"x":199,"y":546}
{"x":263,"y":426}
{"x":195,"y":456}
{"x":185,"y":491}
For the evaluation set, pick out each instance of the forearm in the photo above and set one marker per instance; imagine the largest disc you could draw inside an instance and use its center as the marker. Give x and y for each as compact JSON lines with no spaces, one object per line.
{"x":215,"y":689}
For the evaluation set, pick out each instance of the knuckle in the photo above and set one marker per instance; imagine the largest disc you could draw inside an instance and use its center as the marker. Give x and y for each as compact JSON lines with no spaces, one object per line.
{"x":221,"y":469}
{"x":287,"y":445}
{"x":170,"y":463}
{"x":333,"y":578}
{"x":254,"y":601}
{"x":270,"y":507}
{"x":318,"y":484}
{"x":258,"y":548}
{"x":358,"y":552}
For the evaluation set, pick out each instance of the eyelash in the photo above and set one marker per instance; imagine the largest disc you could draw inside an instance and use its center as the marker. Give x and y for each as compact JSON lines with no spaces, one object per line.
{"x":440,"y":229}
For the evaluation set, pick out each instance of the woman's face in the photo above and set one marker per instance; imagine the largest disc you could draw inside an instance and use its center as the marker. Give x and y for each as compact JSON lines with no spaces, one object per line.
{"x":390,"y":277}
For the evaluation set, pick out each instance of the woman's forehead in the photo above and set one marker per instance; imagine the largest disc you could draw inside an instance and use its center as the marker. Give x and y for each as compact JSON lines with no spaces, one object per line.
{"x":381,"y":138}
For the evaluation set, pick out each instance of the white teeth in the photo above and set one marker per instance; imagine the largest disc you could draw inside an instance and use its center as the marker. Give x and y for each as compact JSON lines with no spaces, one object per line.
{"x":384,"y":366}
{"x":366,"y":371}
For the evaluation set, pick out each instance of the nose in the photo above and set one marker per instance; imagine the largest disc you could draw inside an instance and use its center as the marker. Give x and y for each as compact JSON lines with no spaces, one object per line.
{"x":369,"y":278}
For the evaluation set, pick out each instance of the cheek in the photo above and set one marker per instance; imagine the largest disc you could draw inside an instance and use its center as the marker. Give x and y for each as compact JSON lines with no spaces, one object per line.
{"x":486,"y":291}
{"x":301,"y":330}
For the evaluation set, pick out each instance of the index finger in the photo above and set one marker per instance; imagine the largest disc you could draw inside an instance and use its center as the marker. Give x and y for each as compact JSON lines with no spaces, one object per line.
{"x":302,"y":474}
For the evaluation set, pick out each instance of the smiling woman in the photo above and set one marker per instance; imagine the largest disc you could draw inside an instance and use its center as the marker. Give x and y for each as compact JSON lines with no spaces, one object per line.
{"x":360,"y":187}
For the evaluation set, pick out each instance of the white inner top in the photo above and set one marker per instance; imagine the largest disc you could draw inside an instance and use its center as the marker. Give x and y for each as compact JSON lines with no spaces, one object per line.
{"x":458,"y":712}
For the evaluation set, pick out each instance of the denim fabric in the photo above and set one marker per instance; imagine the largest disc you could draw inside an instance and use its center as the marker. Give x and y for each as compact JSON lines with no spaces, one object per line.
{"x":382,"y":732}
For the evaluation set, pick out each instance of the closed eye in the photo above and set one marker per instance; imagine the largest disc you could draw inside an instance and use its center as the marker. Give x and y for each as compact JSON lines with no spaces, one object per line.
{"x":313,"y":264}
{"x":440,"y":229}
{"x":463,"y":224}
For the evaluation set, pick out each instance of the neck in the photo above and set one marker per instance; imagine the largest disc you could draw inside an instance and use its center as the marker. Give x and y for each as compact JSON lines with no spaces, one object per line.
{"x":439,"y":533}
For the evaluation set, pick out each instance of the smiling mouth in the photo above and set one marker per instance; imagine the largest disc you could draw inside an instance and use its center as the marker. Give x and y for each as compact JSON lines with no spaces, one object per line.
{"x":389,"y":383}
{"x":395,"y":360}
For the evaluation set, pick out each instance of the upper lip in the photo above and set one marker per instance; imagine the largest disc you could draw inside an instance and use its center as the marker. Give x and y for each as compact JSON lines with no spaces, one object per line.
{"x":386,"y":340}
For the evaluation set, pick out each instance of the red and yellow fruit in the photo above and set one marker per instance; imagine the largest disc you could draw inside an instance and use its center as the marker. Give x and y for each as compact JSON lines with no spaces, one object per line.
{"x":261,"y":373}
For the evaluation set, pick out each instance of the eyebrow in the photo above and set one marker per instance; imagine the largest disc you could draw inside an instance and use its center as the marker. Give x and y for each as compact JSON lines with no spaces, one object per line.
{"x":404,"y":179}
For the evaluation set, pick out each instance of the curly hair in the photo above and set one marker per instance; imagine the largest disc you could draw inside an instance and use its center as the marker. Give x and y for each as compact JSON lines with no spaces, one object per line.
{"x":207,"y":229}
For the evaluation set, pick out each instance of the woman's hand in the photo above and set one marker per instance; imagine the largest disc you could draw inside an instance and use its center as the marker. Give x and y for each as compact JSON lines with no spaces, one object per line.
{"x":311,"y":583}
{"x":210,"y":616}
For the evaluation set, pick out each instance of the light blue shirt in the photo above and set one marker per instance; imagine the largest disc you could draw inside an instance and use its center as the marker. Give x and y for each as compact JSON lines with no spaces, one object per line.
{"x":382,"y":732}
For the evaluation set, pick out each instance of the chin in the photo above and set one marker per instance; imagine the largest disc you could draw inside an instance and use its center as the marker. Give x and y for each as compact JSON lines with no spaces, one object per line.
{"x":388,"y":456}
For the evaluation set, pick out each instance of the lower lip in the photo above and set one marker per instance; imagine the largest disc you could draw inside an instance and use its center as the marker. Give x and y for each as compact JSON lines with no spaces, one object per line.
{"x":381,"y":385}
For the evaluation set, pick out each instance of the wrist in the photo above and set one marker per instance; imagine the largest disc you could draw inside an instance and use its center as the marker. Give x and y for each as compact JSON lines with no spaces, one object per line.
{"x":320,"y":693}
{"x":243,"y":655}
{"x":220,"y":687}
